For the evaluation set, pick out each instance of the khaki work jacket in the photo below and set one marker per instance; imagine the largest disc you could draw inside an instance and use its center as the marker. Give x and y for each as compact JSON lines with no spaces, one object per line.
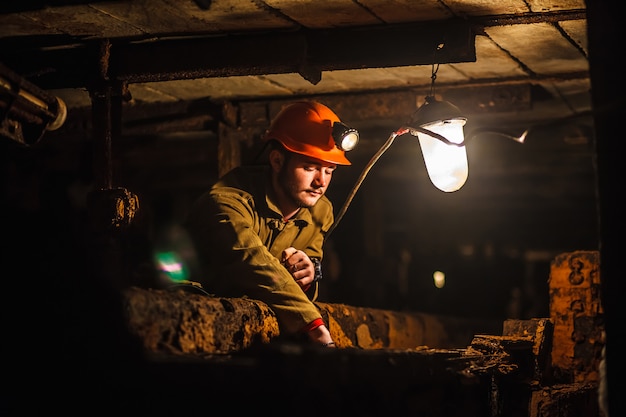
{"x":239,"y":236}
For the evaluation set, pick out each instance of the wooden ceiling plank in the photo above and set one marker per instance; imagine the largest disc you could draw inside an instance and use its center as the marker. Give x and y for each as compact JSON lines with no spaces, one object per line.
{"x":83,"y":22}
{"x":550,"y":5}
{"x":577,"y":31}
{"x":235,"y":16}
{"x":563,"y":56}
{"x":398,"y":11}
{"x":152,"y":16}
{"x":19,"y":24}
{"x":491,"y":62}
{"x":217,"y":88}
{"x":487,"y":7}
{"x":324,"y":14}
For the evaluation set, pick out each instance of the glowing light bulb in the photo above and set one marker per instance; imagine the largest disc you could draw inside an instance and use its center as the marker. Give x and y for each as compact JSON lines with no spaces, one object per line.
{"x":439,"y":279}
{"x":446,"y":164}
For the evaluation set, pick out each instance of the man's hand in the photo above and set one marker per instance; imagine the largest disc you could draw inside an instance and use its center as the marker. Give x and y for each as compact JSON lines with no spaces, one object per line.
{"x":321,"y":336}
{"x":299,"y":266}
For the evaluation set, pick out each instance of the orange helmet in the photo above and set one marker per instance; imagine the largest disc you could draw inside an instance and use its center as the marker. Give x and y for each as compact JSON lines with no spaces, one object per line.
{"x":310,"y":128}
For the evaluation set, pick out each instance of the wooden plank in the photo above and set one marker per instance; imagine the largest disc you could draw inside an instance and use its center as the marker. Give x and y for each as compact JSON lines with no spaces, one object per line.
{"x":568,"y":400}
{"x":540,"y":330}
{"x":329,"y":13}
{"x":393,"y":11}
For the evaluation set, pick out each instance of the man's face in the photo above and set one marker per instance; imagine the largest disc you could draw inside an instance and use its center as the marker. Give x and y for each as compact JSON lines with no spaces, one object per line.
{"x":304,"y":179}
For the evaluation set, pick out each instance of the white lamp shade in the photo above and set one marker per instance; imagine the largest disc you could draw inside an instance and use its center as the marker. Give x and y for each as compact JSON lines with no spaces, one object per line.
{"x":446,"y":164}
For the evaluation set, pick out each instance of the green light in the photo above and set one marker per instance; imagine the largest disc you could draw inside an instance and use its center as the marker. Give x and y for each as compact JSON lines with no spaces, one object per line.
{"x":170,"y":265}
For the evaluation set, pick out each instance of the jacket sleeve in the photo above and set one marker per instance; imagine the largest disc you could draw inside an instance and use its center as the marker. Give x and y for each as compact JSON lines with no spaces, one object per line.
{"x":223,"y":229}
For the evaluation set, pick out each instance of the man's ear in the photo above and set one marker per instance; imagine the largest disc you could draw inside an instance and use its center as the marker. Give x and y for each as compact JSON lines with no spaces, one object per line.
{"x":277,"y":159}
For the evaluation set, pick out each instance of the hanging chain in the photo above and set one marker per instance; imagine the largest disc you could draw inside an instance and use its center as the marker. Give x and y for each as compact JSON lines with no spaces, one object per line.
{"x":435,"y":68}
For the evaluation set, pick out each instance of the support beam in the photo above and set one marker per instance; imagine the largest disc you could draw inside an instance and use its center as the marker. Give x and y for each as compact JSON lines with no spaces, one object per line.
{"x":305,"y":51}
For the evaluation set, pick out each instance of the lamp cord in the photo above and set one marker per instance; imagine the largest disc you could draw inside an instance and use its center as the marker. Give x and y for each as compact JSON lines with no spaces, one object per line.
{"x":361,"y":178}
{"x":387,"y":144}
{"x":375,"y":158}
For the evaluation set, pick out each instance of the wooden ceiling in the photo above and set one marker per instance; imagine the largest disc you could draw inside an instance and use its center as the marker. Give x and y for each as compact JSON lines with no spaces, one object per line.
{"x":515,"y":61}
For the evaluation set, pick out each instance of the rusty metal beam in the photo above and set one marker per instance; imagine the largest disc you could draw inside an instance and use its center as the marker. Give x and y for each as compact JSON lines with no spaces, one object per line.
{"x":305,"y":51}
{"x":530,"y":18}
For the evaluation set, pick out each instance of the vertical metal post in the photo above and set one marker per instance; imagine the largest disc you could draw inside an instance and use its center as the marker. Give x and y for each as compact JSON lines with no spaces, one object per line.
{"x":101,"y":117}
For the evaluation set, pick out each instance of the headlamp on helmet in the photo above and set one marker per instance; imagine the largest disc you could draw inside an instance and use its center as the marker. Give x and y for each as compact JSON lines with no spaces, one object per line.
{"x":346,"y":138}
{"x":312,"y":129}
